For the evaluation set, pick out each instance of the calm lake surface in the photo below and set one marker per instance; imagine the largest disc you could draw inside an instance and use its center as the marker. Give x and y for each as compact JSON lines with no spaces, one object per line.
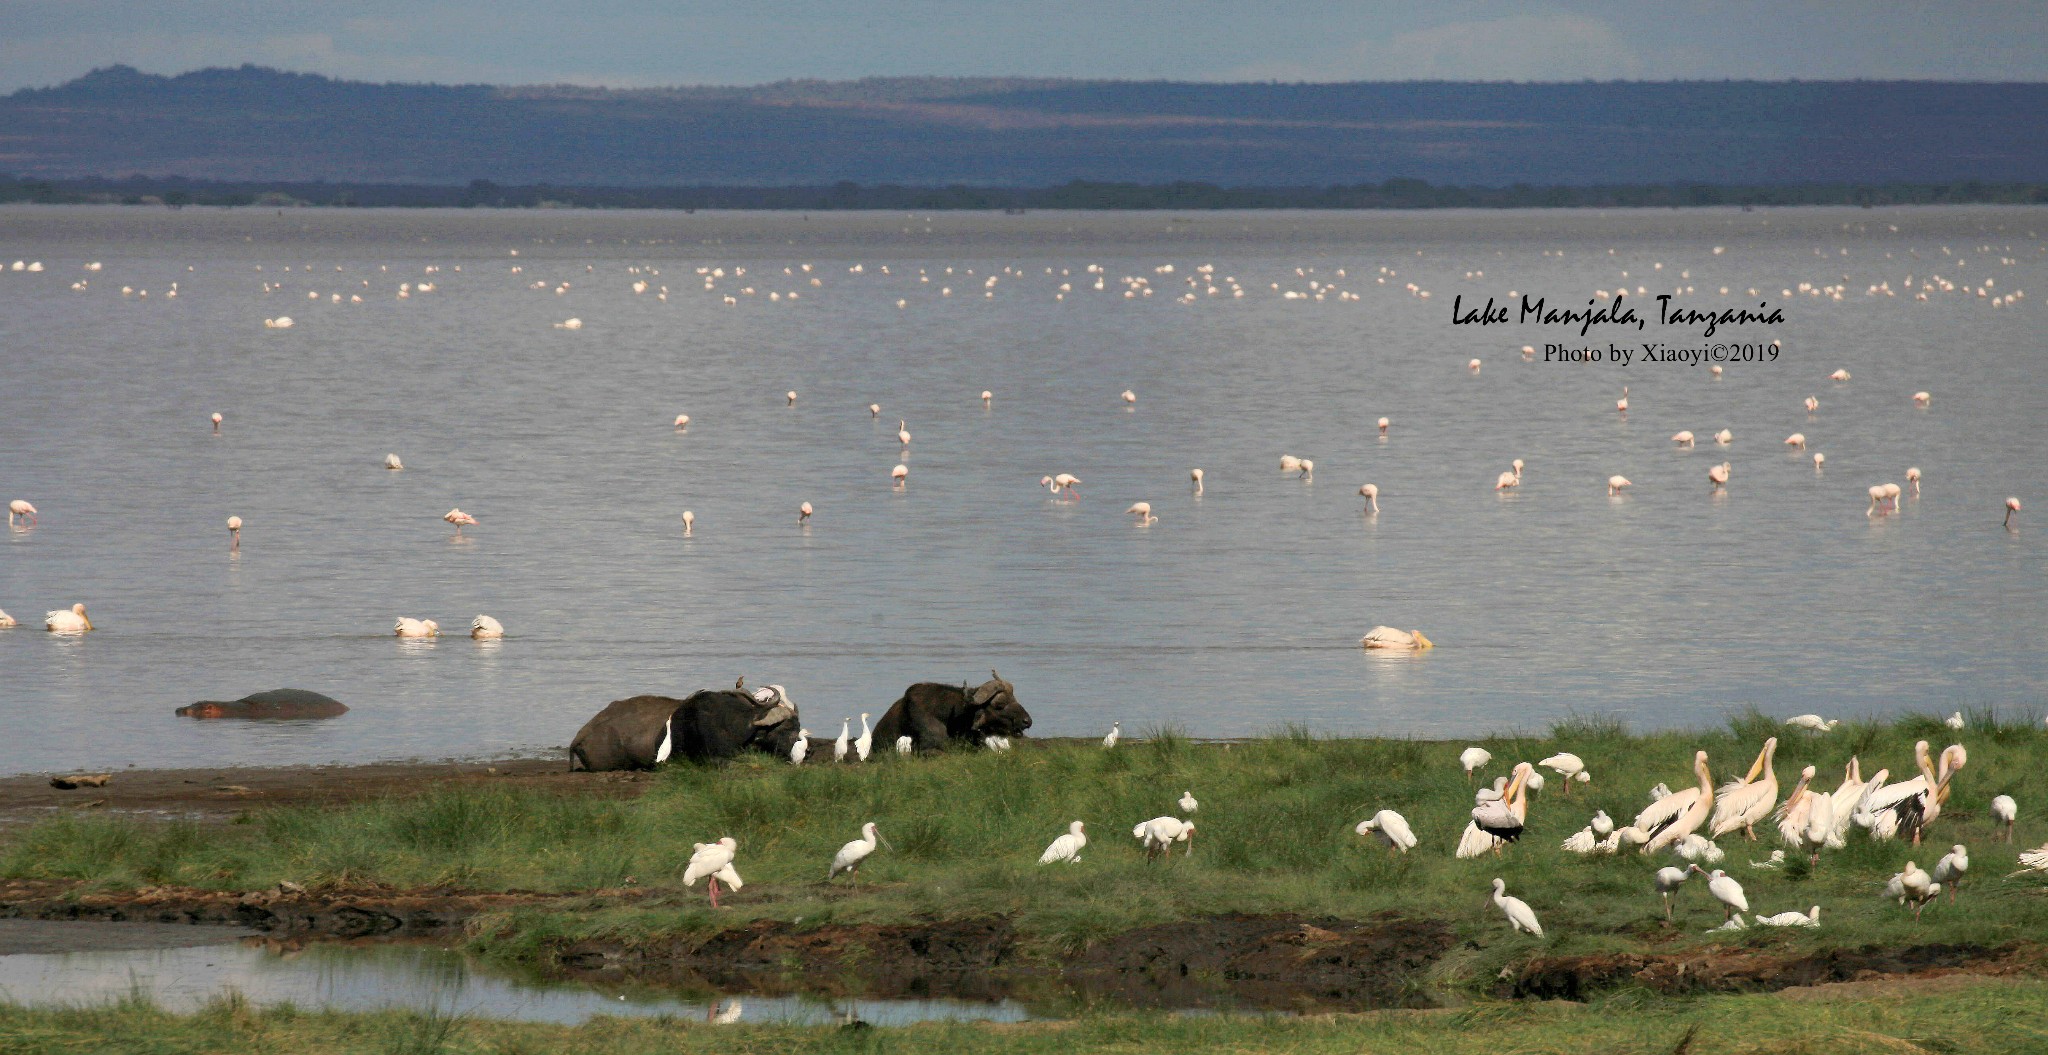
{"x":1236,"y":612}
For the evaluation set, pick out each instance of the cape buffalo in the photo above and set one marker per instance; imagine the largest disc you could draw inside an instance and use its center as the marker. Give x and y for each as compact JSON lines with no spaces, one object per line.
{"x":930,"y":714}
{"x":640,"y":732}
{"x":275,"y":704}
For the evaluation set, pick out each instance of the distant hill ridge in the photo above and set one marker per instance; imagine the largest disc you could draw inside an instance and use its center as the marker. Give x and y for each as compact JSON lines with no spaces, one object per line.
{"x":256,"y":124}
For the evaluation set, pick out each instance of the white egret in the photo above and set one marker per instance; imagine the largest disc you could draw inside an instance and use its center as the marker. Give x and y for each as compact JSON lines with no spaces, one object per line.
{"x":1116,"y":732}
{"x":802,"y":747}
{"x":1520,"y":916}
{"x":839,"y":745}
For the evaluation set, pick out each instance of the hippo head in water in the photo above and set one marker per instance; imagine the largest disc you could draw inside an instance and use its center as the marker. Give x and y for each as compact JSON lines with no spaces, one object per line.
{"x":274,"y":705}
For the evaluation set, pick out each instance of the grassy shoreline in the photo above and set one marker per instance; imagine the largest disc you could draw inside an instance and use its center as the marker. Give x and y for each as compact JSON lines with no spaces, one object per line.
{"x":966,"y":829}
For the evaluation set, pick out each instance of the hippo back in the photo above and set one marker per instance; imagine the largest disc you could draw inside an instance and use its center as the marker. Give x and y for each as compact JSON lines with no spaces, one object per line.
{"x":273,"y":704}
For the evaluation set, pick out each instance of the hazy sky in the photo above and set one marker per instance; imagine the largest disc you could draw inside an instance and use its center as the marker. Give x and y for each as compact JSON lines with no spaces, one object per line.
{"x":658,"y":42}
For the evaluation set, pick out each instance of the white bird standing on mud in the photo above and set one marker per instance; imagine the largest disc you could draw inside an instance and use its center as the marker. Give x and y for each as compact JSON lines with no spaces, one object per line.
{"x":1067,"y":847}
{"x":713,"y":861}
{"x":1116,"y":731}
{"x":1160,"y":833}
{"x":1520,"y":916}
{"x":1392,"y":828}
{"x":1725,"y":890}
{"x":862,"y":746}
{"x":839,"y":745}
{"x":850,"y":856}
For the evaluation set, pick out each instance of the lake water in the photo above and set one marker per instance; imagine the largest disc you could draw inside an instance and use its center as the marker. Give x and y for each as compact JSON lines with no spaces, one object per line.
{"x":1237,"y":611}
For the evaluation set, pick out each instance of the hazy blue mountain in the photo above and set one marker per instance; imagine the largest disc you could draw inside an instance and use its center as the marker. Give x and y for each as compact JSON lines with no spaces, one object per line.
{"x":259,"y":124}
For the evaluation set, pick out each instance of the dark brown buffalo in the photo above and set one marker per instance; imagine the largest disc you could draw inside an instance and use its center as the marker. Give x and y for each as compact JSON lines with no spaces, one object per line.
{"x":931,"y":714}
{"x":714,"y":723}
{"x":274,"y":705}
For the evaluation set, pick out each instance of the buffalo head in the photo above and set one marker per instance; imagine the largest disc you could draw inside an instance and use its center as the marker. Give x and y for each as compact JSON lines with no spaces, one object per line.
{"x":996,"y":710}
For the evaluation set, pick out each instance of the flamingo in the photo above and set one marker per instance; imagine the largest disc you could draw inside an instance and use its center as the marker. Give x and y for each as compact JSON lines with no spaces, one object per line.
{"x":1473,"y":758}
{"x":899,"y":473}
{"x":1371,"y":494}
{"x":235,"y":533}
{"x":1839,"y":375}
{"x":216,"y":422}
{"x":1129,"y":397}
{"x":1289,"y":463}
{"x":1308,"y":469}
{"x":1819,"y":460}
{"x":1921,"y":399}
{"x":803,"y":512}
{"x":1622,"y":403}
{"x":1067,"y":847}
{"x":1667,"y":881}
{"x":2012,"y":505}
{"x":874,"y":410}
{"x":20,"y":507}
{"x":689,"y":523}
{"x":391,"y":462}
{"x":1683,"y":438}
{"x":839,"y":745}
{"x":903,"y":432}
{"x":1520,"y":916}
{"x":2005,"y":811}
{"x":1616,"y":483}
{"x":1116,"y":732}
{"x":1383,"y":425}
{"x":1949,"y":870}
{"x":1876,"y":500}
{"x":72,"y":621}
{"x":1392,"y":829}
{"x":1724,"y":437}
{"x":1196,"y":476}
{"x":1742,"y":803}
{"x":1065,"y":482}
{"x":1473,"y":366}
{"x":801,"y":748}
{"x":1797,"y":439}
{"x":1812,"y":404}
{"x":1390,"y":638}
{"x":1725,"y":890}
{"x":713,"y":861}
{"x":682,"y":421}
{"x":1143,"y":511}
{"x":1160,"y":833}
{"x":850,"y":856}
{"x":987,"y":397}
{"x":1506,"y":481}
{"x":1913,"y":477}
{"x":460,"y":519}
{"x":791,"y":397}
{"x":410,"y":627}
{"x":484,"y":626}
{"x":1680,"y":813}
{"x":865,"y":742}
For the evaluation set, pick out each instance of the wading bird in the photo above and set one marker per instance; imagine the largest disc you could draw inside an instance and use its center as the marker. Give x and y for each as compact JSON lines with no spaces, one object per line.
{"x":1196,"y":476}
{"x":1667,"y":881}
{"x":234,"y":533}
{"x":802,"y":747}
{"x":866,"y":742}
{"x":1812,"y":723}
{"x":1067,"y":847}
{"x":216,"y":422}
{"x":1725,"y":890}
{"x":1392,"y":829}
{"x":2005,"y":811}
{"x":460,"y":519}
{"x":713,"y":861}
{"x":1616,"y":483}
{"x":850,"y":856}
{"x":1187,"y":802}
{"x":1371,"y":494}
{"x":20,"y":507}
{"x":1949,"y":870}
{"x":1160,"y":833}
{"x":1520,"y":916}
{"x":1473,"y":758}
{"x":2012,"y":505}
{"x":1116,"y":732}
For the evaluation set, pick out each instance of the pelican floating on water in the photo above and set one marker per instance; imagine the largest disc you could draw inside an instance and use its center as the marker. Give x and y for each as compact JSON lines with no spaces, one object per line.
{"x":1390,"y":638}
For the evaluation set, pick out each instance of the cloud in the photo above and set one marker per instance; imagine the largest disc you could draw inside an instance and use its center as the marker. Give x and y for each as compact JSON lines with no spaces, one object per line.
{"x":1516,"y":48}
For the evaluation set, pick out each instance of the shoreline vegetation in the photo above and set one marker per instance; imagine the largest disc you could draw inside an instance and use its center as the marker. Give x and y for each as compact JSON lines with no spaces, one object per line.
{"x":1395,"y":194}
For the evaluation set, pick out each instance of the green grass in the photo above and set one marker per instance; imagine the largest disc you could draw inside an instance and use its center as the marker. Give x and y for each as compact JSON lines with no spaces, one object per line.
{"x":1274,"y":836}
{"x":1962,"y":1017}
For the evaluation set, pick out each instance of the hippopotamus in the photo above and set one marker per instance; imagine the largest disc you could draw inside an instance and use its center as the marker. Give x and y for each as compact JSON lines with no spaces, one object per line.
{"x":643,"y":731}
{"x":931,"y":714}
{"x":276,"y":704}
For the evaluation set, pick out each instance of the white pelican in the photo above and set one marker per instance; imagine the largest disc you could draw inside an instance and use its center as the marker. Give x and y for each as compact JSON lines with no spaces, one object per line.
{"x":689,"y":522}
{"x":1724,"y":437}
{"x":7,"y":621}
{"x":1792,"y":918}
{"x":1913,"y":477}
{"x":1116,"y":732}
{"x":1820,"y":827}
{"x":216,"y":421}
{"x":1498,"y":821}
{"x":1813,"y":723}
{"x":1371,"y":494}
{"x":1567,"y":765}
{"x":1798,"y":805}
{"x":1388,"y":637}
{"x":20,"y":507}
{"x":1812,"y":404}
{"x":1290,"y":464}
{"x":73,"y":621}
{"x":903,"y":432}
{"x":802,"y":747}
{"x":2012,"y":505}
{"x":1187,"y":802}
{"x":1667,"y":881}
{"x":803,"y":512}
{"x":1915,"y":885}
{"x":986,"y":397}
{"x":1922,"y":399}
{"x":1954,"y":721}
{"x":1949,"y":870}
{"x":850,"y":856}
{"x":1392,"y":828}
{"x":1683,"y":439}
{"x":1743,"y":803}
{"x":713,"y":861}
{"x":484,"y":626}
{"x":904,"y":745}
{"x":1622,"y":403}
{"x":235,"y":532}
{"x":865,"y":742}
{"x":391,"y":462}
{"x":839,"y":745}
{"x":1797,"y":439}
{"x":1067,"y":847}
{"x":459,"y":518}
{"x":1680,"y":813}
{"x":1160,"y":833}
{"x":1839,"y":375}
{"x":2005,"y":811}
{"x":1473,"y":758}
{"x":682,"y":421}
{"x":1129,"y":397}
{"x":1520,"y":916}
{"x":1911,"y":805}
{"x":897,"y":474}
{"x":410,"y":627}
{"x":1616,"y":483}
{"x":1196,"y":476}
{"x":1725,"y":890}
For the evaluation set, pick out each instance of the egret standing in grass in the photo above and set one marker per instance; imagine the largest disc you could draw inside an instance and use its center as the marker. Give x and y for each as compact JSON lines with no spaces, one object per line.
{"x":850,"y":856}
{"x":1667,"y":882}
{"x":802,"y":747}
{"x":839,"y":745}
{"x":1067,"y":847}
{"x":862,"y":746}
{"x":1116,"y":732}
{"x":1520,"y":916}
